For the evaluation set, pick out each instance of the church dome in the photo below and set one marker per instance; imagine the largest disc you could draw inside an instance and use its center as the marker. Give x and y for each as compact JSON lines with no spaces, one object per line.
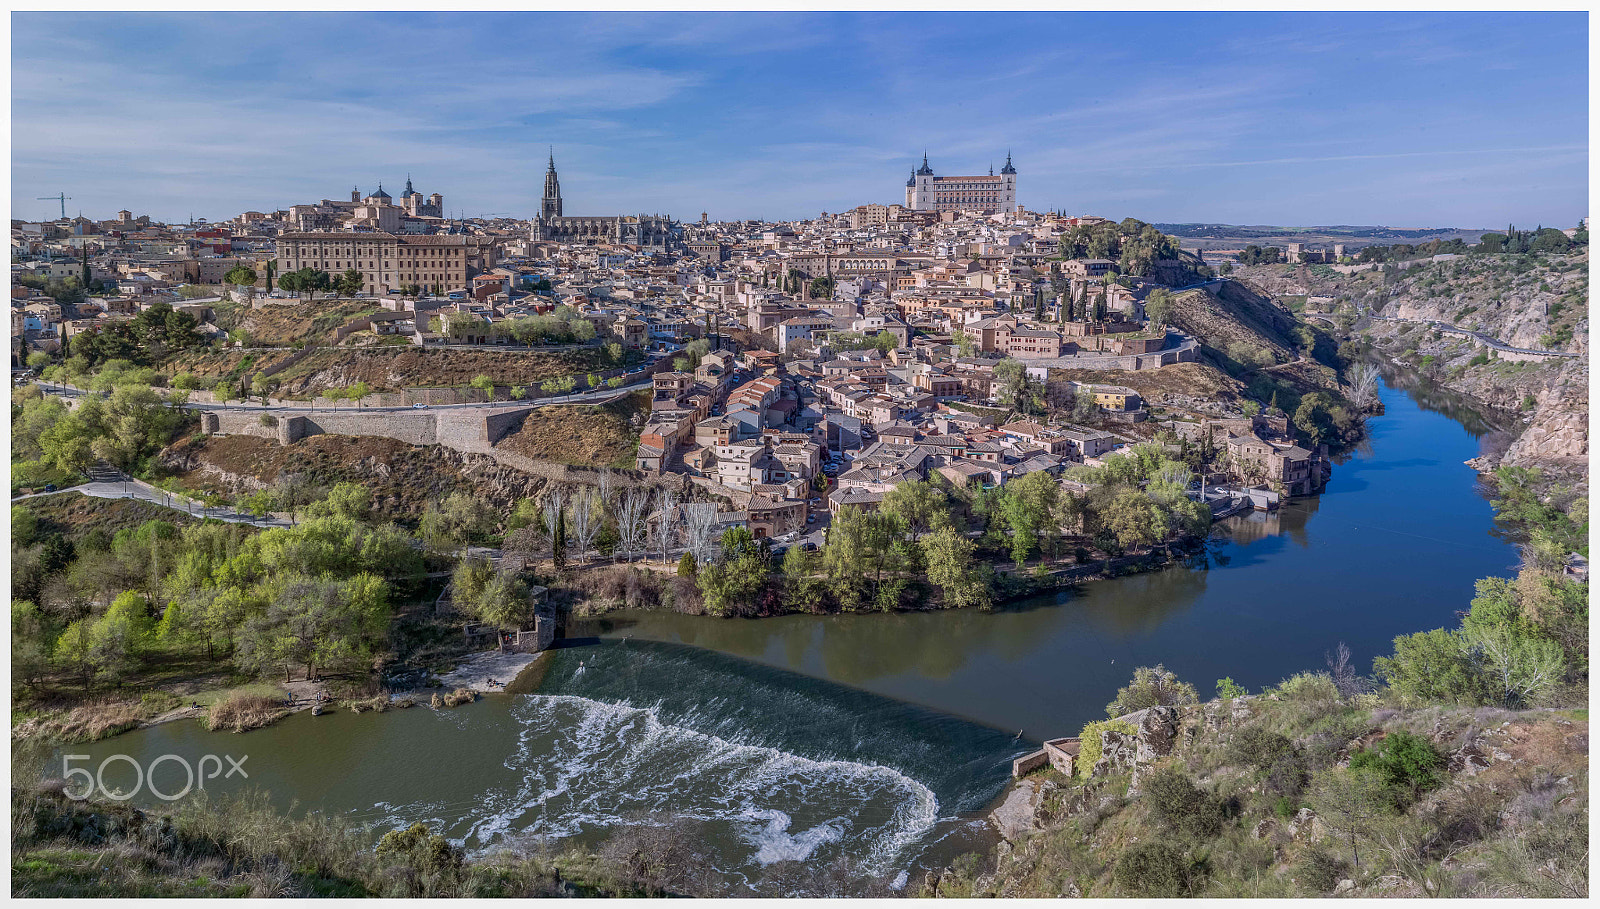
{"x":380,"y":194}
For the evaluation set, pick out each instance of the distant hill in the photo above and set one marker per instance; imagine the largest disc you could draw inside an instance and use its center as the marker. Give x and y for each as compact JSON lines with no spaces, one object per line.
{"x":1218,"y":236}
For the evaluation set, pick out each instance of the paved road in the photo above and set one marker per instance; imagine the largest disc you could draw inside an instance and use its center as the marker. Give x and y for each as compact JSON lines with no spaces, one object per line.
{"x":129,"y":488}
{"x":598,"y":395}
{"x":1495,"y":343}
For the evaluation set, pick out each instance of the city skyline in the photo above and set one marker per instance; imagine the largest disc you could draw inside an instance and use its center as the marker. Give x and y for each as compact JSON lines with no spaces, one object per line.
{"x":1442,"y":120}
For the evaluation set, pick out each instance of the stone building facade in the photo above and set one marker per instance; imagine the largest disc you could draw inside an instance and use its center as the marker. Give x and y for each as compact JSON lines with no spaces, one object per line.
{"x":389,"y":261}
{"x":654,"y":233}
{"x":987,"y":194}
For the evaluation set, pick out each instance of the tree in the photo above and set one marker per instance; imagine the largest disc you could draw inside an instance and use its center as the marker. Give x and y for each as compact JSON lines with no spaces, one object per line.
{"x":1028,"y":506}
{"x":731,"y":582}
{"x":241,"y":276}
{"x":1522,"y":666}
{"x":484,"y":384}
{"x":1158,"y":306}
{"x":920,"y":506}
{"x":802,"y":587}
{"x":554,"y":523}
{"x":1152,"y":686}
{"x":258,"y":503}
{"x":1349,"y":801}
{"x":351,"y":501}
{"x":632,"y":510}
{"x":699,"y":528}
{"x":586,"y":520}
{"x":948,"y":555}
{"x":1134,"y":519}
{"x":74,"y":651}
{"x":350,"y":283}
{"x":1013,"y":378}
{"x":454,"y":521}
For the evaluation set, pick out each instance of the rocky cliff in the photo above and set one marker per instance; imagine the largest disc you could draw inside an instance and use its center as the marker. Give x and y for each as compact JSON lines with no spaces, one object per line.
{"x":1231,"y":798}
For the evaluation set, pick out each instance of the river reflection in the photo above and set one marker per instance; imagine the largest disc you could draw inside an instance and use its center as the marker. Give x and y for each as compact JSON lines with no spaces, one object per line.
{"x":1392,"y":546}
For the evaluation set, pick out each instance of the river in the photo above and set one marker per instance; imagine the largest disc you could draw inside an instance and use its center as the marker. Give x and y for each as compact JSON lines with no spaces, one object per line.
{"x":880,"y":738}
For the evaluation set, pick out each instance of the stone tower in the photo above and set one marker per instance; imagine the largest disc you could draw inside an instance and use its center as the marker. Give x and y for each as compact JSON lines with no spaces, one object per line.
{"x":551,"y":206}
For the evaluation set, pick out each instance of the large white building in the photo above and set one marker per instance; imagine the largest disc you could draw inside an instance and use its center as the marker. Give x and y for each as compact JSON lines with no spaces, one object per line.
{"x":988,"y":195}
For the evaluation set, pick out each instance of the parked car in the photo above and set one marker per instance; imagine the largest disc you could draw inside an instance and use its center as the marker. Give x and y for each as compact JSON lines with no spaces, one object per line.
{"x":811,"y":519}
{"x":419,"y":405}
{"x":49,"y":487}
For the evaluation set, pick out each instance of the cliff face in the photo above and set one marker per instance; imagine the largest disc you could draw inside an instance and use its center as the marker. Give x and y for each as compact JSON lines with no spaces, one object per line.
{"x":1248,"y":824}
{"x":1525,"y":302}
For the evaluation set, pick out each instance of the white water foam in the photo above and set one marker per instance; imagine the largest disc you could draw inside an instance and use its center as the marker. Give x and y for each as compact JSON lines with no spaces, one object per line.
{"x":585,"y":764}
{"x":774,"y":843}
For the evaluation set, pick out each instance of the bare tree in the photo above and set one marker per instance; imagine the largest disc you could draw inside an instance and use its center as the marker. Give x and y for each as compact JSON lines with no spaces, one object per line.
{"x":553,"y":502}
{"x":1344,"y":674}
{"x":608,"y":487}
{"x":700,"y":528}
{"x":1363,"y":378}
{"x":632,"y":507}
{"x":587,"y":515}
{"x":666,"y":521}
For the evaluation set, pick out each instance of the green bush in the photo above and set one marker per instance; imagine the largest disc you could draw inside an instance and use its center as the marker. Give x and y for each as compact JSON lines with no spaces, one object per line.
{"x":1408,"y":762}
{"x":1089,"y":742}
{"x":1154,"y":870}
{"x":1181,"y":806}
{"x":1308,"y":688}
{"x":1318,"y":872}
{"x":1257,"y":746}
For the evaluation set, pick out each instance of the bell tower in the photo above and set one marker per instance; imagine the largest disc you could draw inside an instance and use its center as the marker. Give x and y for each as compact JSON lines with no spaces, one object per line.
{"x":551,"y":206}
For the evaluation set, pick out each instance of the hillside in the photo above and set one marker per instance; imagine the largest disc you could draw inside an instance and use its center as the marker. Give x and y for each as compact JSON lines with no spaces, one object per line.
{"x":413,"y":367}
{"x":281,"y":324}
{"x":403,"y":478}
{"x":1298,"y":793}
{"x":581,"y":435}
{"x":1529,"y":301}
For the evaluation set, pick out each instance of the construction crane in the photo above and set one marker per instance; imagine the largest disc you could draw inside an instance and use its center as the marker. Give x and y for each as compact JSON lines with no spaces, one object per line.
{"x":59,"y":197}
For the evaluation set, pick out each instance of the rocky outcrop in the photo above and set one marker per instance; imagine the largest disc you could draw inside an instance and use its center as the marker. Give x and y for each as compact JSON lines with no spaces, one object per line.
{"x":1019,"y":813}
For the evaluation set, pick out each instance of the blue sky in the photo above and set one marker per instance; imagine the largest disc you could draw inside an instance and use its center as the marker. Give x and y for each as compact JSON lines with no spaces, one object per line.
{"x":1431,"y":120}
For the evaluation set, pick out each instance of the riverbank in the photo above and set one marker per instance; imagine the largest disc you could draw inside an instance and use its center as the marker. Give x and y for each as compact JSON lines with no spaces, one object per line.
{"x":489,"y":672}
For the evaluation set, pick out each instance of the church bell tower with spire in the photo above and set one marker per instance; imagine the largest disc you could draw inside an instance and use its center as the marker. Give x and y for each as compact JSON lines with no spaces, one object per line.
{"x":551,"y":206}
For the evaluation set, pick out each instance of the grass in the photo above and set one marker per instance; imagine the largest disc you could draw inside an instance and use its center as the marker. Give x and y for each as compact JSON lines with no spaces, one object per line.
{"x":240,"y":712}
{"x":241,"y":847}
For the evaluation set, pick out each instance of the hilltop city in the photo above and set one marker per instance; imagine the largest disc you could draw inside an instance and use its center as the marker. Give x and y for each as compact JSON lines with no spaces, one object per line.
{"x":795,"y":367}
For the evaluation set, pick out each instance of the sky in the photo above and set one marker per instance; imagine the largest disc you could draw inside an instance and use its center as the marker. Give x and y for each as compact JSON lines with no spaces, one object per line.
{"x":1417,"y":120}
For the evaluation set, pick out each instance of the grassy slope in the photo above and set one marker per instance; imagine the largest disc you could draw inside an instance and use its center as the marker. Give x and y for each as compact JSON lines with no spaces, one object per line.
{"x":1513,"y":829}
{"x":583,"y":435}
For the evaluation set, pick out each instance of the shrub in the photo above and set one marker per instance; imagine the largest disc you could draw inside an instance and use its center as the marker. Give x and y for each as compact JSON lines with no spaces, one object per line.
{"x":240,"y":712}
{"x":687,"y":567}
{"x":1257,"y":746}
{"x":1288,"y":775}
{"x":1408,"y":762}
{"x":1089,"y":742}
{"x":1308,"y":688}
{"x":1153,"y":870}
{"x":1152,"y":686}
{"x":1181,"y":806}
{"x":1318,"y":872}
